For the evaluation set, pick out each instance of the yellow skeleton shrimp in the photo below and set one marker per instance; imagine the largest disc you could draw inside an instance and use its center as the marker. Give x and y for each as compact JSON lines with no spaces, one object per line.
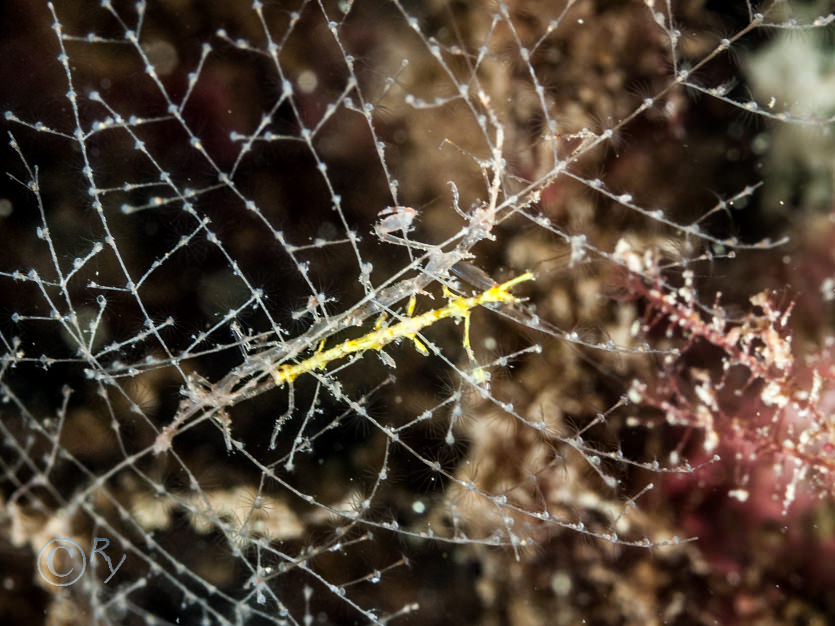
{"x":409,"y":327}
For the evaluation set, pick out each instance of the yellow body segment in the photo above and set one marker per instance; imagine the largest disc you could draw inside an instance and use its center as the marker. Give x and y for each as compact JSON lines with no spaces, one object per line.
{"x":409,"y":327}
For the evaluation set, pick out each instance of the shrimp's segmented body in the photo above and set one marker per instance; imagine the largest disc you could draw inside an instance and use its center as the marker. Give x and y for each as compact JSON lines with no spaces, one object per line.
{"x":409,"y":327}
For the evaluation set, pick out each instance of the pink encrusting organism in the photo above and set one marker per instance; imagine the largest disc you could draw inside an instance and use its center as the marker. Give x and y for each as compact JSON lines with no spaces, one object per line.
{"x":764,"y":415}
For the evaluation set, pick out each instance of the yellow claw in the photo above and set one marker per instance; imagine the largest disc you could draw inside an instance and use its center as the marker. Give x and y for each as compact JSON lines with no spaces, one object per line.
{"x":419,"y":346}
{"x":467,"y":347}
